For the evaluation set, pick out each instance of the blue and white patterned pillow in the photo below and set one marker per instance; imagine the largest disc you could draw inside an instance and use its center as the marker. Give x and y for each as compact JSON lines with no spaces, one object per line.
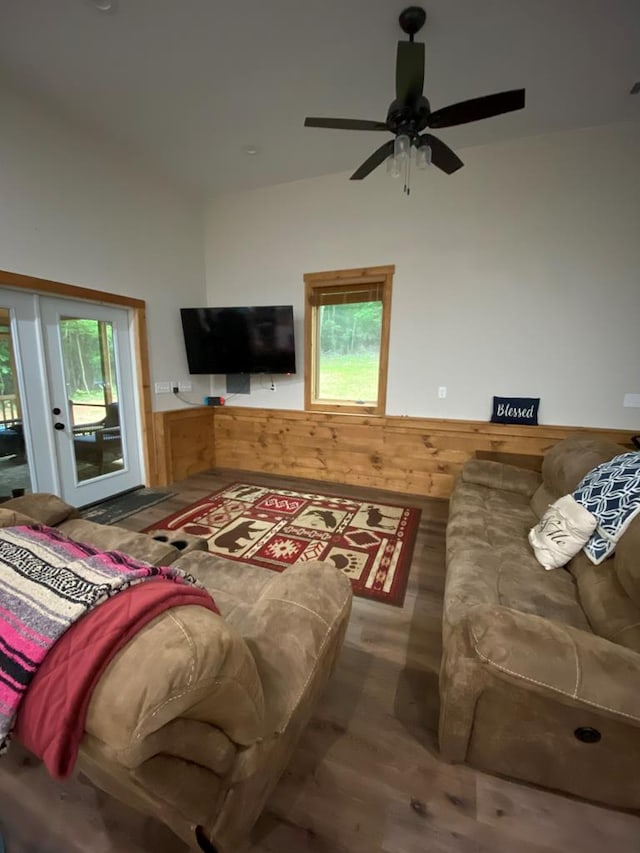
{"x":610,"y":492}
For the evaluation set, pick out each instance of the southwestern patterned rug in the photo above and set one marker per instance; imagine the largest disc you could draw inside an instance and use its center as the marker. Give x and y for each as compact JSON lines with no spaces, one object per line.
{"x":372,"y":543}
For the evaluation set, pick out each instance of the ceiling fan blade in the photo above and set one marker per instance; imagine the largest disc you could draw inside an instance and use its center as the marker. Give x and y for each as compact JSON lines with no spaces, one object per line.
{"x":441,"y":155}
{"x":409,"y":71}
{"x":345,"y":124}
{"x":478,"y":108}
{"x":376,"y":158}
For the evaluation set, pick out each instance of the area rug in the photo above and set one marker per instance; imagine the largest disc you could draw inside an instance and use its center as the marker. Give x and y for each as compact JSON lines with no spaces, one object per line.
{"x":372,"y":543}
{"x":115,"y":509}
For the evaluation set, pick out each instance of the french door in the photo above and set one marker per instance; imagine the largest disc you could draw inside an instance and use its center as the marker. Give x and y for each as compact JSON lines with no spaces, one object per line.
{"x":78,"y":399}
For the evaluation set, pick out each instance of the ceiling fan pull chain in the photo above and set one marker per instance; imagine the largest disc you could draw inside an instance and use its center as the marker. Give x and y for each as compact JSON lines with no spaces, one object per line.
{"x":407,"y":179}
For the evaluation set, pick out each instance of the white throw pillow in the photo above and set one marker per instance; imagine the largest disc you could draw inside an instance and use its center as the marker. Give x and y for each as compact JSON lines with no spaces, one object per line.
{"x":561,"y":532}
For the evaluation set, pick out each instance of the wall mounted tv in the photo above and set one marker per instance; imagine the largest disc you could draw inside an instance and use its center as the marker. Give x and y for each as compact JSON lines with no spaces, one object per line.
{"x":239,"y":340}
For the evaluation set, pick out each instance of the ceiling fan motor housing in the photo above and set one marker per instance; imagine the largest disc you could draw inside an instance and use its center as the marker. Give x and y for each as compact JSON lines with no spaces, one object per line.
{"x":409,"y":120}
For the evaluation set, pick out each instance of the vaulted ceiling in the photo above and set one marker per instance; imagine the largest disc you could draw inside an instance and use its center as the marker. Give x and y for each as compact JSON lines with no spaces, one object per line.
{"x":188,"y":85}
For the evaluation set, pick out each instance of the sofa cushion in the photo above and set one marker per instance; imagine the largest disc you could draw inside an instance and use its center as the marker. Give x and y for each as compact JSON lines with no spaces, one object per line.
{"x":490,"y":561}
{"x":611,"y":612}
{"x":542,"y":499}
{"x":626,"y":561}
{"x":497,"y":475}
{"x":235,"y":588}
{"x":568,"y":461}
{"x":110,"y":537}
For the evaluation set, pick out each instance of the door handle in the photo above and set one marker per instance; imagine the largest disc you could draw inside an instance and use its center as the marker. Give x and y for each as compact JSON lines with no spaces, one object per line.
{"x":58,"y":425}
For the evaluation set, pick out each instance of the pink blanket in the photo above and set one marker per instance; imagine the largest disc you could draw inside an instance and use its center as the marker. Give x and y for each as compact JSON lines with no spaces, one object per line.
{"x":47,"y":584}
{"x":52,"y":715}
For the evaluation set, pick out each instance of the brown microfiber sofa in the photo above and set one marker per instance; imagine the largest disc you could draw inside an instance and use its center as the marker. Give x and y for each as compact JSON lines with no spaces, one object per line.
{"x":195,"y":719}
{"x":540,"y":678}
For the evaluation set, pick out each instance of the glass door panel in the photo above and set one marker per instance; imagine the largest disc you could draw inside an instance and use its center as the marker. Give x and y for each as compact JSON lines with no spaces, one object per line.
{"x":88,"y":364}
{"x":15,"y":475}
{"x":93,"y":398}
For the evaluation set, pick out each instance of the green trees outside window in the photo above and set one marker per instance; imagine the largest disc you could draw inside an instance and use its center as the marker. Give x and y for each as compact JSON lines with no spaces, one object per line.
{"x":349,"y":357}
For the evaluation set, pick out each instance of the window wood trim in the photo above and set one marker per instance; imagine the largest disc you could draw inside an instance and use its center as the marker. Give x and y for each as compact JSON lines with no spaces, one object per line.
{"x":342,"y":279}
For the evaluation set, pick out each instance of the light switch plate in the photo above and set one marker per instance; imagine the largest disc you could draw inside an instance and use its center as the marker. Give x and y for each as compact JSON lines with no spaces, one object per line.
{"x":184,"y":385}
{"x":163,"y":387}
{"x":632,"y":401}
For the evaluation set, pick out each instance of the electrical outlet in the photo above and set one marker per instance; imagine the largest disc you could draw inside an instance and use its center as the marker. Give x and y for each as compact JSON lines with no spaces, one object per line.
{"x":184,"y":385}
{"x":163,"y":387}
{"x":442,"y":391}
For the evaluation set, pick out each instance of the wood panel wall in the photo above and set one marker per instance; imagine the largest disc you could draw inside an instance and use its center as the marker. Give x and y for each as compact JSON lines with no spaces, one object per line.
{"x":414,"y":455}
{"x":184,"y":440}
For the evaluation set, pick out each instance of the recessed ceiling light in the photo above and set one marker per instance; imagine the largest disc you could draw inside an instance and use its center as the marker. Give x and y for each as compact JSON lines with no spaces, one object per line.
{"x":104,"y":5}
{"x":251,"y":150}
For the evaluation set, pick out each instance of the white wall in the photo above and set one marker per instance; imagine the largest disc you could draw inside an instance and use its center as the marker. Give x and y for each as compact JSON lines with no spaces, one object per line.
{"x":519,"y":275}
{"x":76,"y":211}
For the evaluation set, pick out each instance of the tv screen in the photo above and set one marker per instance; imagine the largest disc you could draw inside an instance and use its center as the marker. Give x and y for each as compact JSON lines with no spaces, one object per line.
{"x":239,"y":340}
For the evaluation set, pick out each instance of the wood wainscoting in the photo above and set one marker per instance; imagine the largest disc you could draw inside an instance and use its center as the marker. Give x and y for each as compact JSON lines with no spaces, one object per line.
{"x":184,"y":443}
{"x":418,"y":456}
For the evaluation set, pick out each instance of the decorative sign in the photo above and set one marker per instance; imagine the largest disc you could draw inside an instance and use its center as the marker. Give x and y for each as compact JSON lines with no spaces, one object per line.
{"x":515,"y":410}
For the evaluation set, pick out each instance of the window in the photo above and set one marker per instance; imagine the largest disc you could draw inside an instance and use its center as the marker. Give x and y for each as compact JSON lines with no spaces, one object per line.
{"x":347,"y":316}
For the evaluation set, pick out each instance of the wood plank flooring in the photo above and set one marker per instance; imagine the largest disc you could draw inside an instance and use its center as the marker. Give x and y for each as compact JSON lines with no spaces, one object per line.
{"x":366,"y":777}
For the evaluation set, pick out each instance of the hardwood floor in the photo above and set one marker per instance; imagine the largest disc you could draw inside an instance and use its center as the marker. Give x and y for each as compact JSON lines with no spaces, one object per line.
{"x":366,"y":777}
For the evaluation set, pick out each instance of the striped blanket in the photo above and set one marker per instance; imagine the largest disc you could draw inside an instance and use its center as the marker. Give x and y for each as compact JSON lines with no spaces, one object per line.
{"x":47,"y":582}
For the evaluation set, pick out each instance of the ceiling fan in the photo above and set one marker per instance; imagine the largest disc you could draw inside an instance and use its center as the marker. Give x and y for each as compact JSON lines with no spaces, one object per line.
{"x":410,"y":112}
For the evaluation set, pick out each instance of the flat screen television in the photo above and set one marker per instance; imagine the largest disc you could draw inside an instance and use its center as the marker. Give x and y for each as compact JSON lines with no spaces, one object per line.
{"x":239,"y":340}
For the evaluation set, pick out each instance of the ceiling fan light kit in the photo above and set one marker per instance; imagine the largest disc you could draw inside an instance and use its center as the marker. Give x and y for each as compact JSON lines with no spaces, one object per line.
{"x":410,"y":114}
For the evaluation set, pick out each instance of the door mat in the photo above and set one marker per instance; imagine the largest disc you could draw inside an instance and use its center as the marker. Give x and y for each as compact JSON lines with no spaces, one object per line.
{"x":115,"y":509}
{"x":372,"y":543}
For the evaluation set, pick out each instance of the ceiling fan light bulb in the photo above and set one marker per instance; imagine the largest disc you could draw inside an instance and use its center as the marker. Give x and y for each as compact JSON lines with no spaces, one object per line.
{"x":401,"y":147}
{"x":423,"y":157}
{"x":393,"y":167}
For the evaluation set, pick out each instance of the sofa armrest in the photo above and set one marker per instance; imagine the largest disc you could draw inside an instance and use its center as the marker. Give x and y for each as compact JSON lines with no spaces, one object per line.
{"x":187,"y":664}
{"x":559,"y":660}
{"x":552,"y":659}
{"x":43,"y":508}
{"x":13,"y":518}
{"x":190,"y":664}
{"x":498,"y":475}
{"x":298,"y":615}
